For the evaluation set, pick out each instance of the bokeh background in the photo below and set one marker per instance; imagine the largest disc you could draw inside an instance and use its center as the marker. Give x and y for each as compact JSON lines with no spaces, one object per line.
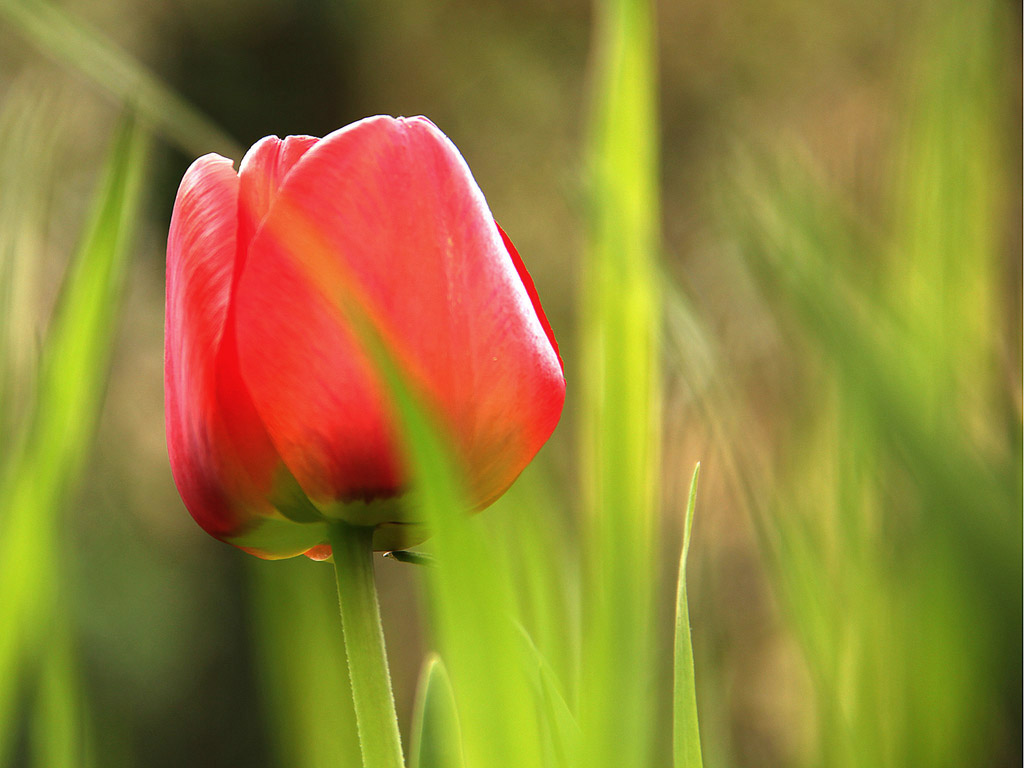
{"x":841,"y":349}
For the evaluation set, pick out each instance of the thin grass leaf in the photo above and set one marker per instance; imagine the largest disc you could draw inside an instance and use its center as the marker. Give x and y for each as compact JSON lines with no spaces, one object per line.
{"x":685,"y":730}
{"x":620,"y":383}
{"x":562,"y":732}
{"x":25,"y":124}
{"x":473,"y":606}
{"x":473,"y":617}
{"x":436,"y":737}
{"x":73,"y":43}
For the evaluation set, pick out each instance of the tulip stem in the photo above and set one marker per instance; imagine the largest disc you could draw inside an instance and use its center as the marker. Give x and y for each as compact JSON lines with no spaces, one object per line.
{"x":376,"y":720}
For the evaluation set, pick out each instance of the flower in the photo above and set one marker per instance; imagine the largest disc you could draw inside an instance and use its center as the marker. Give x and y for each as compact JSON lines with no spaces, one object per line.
{"x":277,"y":421}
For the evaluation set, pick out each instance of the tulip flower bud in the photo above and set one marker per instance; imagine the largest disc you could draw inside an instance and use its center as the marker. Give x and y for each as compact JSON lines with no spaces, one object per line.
{"x":277,"y":421}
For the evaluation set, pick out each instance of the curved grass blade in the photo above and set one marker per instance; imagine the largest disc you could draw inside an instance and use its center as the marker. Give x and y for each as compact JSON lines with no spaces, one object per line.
{"x":436,"y":737}
{"x":685,"y":726}
{"x":560,"y":727}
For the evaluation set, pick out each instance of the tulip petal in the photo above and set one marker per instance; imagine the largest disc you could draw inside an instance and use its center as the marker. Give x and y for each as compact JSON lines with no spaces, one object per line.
{"x":409,"y":236}
{"x":260,"y":173}
{"x":221,"y":457}
{"x":200,"y":264}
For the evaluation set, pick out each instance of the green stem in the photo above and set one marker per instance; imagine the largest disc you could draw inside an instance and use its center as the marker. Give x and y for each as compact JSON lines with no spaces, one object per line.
{"x":364,"y":645}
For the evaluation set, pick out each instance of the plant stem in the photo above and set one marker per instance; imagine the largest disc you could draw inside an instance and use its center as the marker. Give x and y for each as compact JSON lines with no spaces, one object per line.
{"x":364,"y":646}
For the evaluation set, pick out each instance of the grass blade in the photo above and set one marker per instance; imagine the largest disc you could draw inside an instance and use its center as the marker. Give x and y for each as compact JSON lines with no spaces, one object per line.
{"x":620,"y":323}
{"x":685,"y":730}
{"x":561,"y":731}
{"x":436,"y":738}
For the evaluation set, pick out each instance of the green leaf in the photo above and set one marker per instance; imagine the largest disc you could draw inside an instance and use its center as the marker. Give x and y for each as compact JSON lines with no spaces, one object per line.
{"x":685,"y":728}
{"x":409,"y":556}
{"x":436,"y":737}
{"x":620,"y":391}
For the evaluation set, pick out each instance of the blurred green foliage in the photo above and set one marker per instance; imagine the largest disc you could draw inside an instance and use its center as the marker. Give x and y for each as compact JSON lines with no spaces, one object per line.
{"x":49,"y":449}
{"x":781,"y":238}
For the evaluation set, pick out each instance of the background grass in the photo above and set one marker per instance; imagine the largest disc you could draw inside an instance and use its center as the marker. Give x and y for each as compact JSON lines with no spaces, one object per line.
{"x":782,"y":239}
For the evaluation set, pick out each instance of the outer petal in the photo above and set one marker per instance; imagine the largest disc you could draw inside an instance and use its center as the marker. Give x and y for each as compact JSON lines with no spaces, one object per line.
{"x":409,"y":233}
{"x":221,"y":456}
{"x":201,"y":248}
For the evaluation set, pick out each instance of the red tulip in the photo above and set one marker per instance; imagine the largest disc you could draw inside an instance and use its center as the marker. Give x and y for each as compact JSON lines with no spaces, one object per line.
{"x":277,"y":421}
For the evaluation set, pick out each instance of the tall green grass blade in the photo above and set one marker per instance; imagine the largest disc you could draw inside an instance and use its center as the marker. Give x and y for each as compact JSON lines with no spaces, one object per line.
{"x":620,"y":381}
{"x":696,"y":363}
{"x":473,"y":617}
{"x":685,"y":730}
{"x":73,"y":43}
{"x":73,"y":369}
{"x":436,"y":738}
{"x":71,"y":382}
{"x":948,"y":183}
{"x":473,"y":606}
{"x":301,"y":664}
